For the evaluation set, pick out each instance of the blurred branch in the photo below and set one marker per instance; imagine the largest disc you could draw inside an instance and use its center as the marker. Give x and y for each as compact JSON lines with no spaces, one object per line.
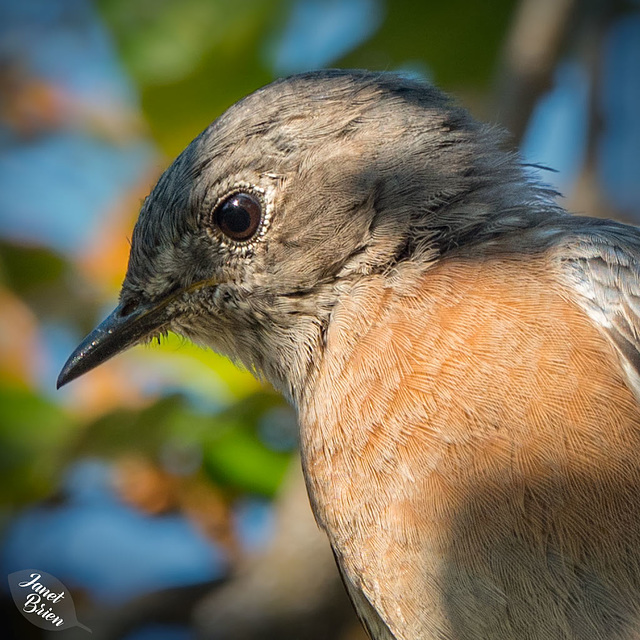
{"x":534,"y":43}
{"x":587,"y":196}
{"x":291,"y":591}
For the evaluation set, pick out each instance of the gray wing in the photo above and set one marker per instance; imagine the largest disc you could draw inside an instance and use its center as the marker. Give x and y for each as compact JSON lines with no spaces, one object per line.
{"x":601,"y":260}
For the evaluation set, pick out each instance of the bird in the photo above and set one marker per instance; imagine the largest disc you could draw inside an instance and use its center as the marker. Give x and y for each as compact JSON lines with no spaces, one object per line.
{"x":463,"y":354}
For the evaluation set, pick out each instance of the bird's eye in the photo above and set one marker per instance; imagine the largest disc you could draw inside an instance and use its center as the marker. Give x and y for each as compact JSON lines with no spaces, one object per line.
{"x":238,"y":216}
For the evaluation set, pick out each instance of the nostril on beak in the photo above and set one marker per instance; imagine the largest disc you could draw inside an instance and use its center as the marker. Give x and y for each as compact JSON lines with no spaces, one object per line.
{"x":129,"y":307}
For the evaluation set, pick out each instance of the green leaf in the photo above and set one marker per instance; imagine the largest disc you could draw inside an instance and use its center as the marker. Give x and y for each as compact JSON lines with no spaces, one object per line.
{"x":459,"y":40}
{"x":26,"y":268}
{"x":239,"y":460}
{"x":34,"y":433}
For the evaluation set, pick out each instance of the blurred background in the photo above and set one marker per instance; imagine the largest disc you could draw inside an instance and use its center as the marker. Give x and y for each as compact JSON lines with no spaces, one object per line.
{"x":163,"y":488}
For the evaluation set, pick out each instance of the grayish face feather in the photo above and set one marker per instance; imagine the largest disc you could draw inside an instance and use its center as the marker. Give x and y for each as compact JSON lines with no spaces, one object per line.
{"x":356,"y":172}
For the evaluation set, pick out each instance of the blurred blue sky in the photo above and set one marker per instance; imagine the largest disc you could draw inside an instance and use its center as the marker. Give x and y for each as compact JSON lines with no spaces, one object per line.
{"x":619,"y":152}
{"x":54,"y":188}
{"x":556,"y":135}
{"x":97,"y":542}
{"x":319,"y":32}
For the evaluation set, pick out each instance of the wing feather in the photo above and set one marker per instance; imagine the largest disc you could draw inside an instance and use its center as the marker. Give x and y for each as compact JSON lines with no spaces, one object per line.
{"x":601,"y":260}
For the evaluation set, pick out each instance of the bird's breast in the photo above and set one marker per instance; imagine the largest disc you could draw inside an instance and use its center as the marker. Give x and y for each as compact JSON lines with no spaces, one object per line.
{"x":471,"y":447}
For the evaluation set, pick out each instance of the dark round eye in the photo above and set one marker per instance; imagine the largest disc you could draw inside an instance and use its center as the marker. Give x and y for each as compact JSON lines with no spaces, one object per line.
{"x":239,"y":216}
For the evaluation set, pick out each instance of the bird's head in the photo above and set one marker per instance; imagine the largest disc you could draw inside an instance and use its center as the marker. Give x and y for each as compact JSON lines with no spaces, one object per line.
{"x":251,"y":236}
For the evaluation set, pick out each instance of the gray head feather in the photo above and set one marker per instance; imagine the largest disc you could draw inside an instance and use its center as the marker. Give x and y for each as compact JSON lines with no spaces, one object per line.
{"x":358,"y":172}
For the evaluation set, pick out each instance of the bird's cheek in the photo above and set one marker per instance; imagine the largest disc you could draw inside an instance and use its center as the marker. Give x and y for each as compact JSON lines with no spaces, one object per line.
{"x":193,"y":322}
{"x":210,"y":317}
{"x":189,"y":329}
{"x":209,"y":334}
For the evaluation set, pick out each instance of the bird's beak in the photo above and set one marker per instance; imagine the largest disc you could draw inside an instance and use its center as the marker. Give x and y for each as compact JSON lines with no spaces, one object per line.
{"x":120,"y":330}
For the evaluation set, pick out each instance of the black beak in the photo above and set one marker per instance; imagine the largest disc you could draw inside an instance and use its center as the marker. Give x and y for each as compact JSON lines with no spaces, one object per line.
{"x":122,"y":329}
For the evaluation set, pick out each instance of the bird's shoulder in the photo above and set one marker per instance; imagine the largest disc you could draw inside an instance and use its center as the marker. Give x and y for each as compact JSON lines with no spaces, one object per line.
{"x":598,"y":263}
